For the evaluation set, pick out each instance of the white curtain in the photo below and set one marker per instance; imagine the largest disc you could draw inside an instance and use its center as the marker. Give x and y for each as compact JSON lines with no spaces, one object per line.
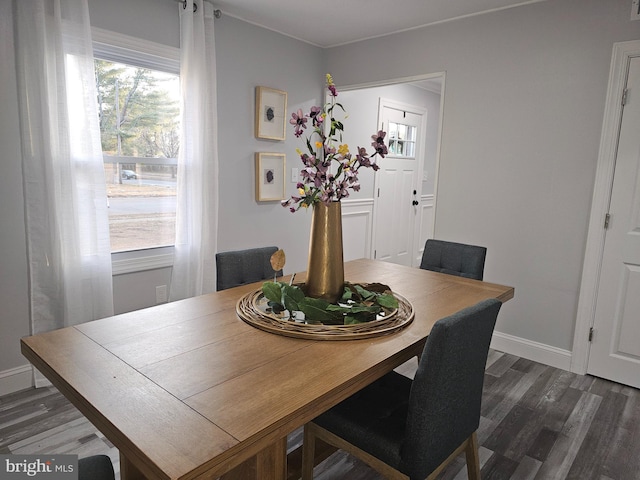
{"x":65,"y":195}
{"x":194,"y":270}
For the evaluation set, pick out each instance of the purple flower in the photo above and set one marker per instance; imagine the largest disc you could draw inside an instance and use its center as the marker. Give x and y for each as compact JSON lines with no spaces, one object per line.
{"x":378,"y":143}
{"x":381,"y":149}
{"x":309,"y":161}
{"x":316,"y":116}
{"x":298,"y":120}
{"x":362,"y":157}
{"x":332,"y":89}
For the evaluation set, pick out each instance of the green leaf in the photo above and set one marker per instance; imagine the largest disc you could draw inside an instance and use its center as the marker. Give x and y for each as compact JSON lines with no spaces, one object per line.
{"x":351,"y":320}
{"x":387,"y":300}
{"x":292,"y":296}
{"x":365,"y":309}
{"x":365,"y":294}
{"x":338,"y":309}
{"x":316,"y":309}
{"x":347,"y":295}
{"x":272,"y":291}
{"x":378,"y":287}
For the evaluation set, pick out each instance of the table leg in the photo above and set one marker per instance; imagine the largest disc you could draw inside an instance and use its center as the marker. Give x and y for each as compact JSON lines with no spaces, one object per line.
{"x":271,"y":463}
{"x":268,"y":464}
{"x":128,"y":471}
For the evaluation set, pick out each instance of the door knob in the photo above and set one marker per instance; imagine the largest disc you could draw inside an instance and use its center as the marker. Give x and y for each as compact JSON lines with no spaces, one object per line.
{"x":415,"y":202}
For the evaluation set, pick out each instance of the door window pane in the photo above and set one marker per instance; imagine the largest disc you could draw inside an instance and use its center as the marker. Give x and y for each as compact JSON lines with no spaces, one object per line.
{"x":402,"y":140}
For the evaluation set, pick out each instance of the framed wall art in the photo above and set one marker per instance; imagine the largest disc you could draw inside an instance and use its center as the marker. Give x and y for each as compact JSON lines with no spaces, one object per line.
{"x":270,"y":176}
{"x":271,"y":116}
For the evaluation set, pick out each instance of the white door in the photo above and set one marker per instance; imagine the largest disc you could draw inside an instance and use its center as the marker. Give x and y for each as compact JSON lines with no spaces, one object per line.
{"x":396,"y":184}
{"x":615,"y":348}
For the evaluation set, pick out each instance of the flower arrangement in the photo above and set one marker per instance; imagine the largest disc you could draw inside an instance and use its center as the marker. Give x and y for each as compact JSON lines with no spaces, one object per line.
{"x":325,"y":150}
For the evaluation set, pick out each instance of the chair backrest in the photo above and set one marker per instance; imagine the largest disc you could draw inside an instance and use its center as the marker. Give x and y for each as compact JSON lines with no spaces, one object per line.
{"x":96,"y":467}
{"x":244,"y":266}
{"x":446,"y":394}
{"x":454,"y":258}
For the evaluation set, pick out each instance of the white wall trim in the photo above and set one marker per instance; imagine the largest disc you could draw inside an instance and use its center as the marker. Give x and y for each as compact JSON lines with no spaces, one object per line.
{"x":16,"y":379}
{"x":622,"y":52}
{"x":538,"y":352}
{"x":356,"y":202}
{"x":140,"y":264}
{"x":425,"y":224}
{"x":354,"y":209}
{"x":118,"y":47}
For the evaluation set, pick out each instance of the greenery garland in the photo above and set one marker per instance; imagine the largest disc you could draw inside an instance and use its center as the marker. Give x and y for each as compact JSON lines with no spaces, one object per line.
{"x":360,"y":303}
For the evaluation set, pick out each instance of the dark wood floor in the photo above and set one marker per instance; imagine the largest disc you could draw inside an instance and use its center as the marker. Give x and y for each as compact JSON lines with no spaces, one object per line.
{"x":538,"y":422}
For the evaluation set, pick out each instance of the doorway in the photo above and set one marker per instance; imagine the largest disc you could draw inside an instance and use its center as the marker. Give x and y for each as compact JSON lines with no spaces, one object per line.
{"x":615,"y":339}
{"x":608,"y":323}
{"x":425,"y":92}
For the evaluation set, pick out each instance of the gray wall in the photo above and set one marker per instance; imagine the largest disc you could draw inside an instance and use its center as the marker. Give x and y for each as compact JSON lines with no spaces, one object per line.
{"x":523,"y":108}
{"x":248,"y":57}
{"x":14,"y":314}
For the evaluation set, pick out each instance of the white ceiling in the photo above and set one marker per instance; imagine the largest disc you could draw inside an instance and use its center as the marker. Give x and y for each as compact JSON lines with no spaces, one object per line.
{"x":328,"y":23}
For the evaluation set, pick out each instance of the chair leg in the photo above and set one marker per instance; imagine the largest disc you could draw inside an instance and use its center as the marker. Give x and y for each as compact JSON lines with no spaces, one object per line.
{"x":473,"y":458}
{"x":308,"y":452}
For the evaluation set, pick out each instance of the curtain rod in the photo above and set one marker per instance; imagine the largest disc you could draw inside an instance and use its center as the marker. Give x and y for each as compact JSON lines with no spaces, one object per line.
{"x":216,"y":13}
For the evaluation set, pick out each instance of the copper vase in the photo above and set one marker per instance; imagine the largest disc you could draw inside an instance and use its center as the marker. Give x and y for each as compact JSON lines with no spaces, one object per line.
{"x":325,"y":270}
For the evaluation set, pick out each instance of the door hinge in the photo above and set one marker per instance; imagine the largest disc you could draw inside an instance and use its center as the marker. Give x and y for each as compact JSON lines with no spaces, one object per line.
{"x":375,"y":254}
{"x":607,"y":220}
{"x":625,"y":96}
{"x":591,"y":334}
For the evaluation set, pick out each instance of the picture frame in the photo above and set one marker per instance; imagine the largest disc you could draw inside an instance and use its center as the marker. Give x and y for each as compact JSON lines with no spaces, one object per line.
{"x":271,"y":113}
{"x":270,"y":173}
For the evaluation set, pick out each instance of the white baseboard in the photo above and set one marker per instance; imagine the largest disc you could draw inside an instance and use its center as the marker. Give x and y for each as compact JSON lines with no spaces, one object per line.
{"x":16,"y":379}
{"x":538,"y":352}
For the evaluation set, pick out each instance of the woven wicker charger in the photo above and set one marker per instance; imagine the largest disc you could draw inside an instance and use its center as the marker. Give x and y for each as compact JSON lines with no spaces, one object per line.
{"x":252,"y":309}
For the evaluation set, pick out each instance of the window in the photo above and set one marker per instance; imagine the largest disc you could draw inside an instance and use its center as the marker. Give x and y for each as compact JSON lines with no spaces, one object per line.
{"x":402,"y":140}
{"x":139,"y":108}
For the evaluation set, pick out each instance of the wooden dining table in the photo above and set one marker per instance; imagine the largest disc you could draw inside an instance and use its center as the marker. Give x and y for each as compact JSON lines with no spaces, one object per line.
{"x":189,"y":390}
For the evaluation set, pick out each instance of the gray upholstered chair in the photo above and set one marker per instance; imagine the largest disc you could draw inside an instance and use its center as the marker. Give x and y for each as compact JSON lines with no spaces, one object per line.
{"x":413,"y":429}
{"x":240,"y":267}
{"x":454,"y":258}
{"x":95,"y":467}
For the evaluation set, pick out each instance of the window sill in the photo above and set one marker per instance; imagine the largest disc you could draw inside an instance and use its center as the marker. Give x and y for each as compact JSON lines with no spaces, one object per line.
{"x":141,"y":260}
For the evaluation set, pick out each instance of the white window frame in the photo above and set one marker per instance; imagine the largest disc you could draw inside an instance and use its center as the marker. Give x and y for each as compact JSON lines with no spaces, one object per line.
{"x":120,"y":48}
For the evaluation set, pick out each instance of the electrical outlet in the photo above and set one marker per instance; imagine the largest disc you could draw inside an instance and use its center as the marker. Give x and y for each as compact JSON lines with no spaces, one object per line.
{"x":294,"y":175}
{"x":161,"y":294}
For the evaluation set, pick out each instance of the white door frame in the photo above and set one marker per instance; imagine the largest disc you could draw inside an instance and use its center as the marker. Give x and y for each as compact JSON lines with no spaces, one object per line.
{"x":622,"y":53}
